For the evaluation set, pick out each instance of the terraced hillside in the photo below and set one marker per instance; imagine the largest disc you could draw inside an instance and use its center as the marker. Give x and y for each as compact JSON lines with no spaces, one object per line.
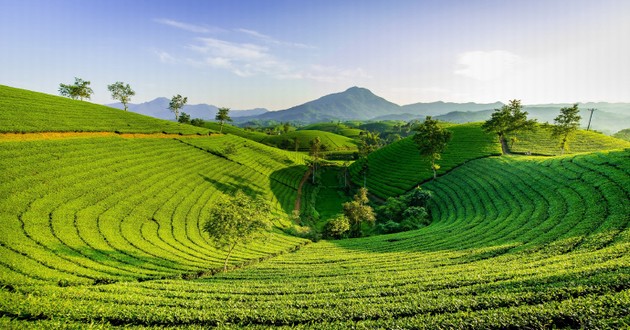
{"x":94,"y":210}
{"x":331,"y":141}
{"x":540,"y":142}
{"x":515,"y":243}
{"x":399,"y":167}
{"x":25,"y":111}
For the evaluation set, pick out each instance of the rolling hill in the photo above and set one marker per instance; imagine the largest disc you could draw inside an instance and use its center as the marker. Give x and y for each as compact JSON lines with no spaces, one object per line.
{"x":105,"y":232}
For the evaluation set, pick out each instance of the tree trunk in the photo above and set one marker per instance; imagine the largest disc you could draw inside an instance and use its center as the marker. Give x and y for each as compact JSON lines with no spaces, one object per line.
{"x":228,"y":258}
{"x":221,"y":129}
{"x":433,"y":168}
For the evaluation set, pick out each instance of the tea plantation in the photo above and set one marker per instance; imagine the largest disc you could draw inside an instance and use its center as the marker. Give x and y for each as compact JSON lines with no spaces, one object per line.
{"x":104,"y":232}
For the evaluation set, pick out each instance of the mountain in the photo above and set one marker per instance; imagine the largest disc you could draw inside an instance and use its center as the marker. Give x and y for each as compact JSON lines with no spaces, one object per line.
{"x":353,"y":104}
{"x":158,"y":108}
{"x":439,"y":108}
{"x":604,"y":121}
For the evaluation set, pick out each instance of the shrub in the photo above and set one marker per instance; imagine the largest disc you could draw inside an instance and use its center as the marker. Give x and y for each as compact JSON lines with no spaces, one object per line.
{"x":337,"y":227}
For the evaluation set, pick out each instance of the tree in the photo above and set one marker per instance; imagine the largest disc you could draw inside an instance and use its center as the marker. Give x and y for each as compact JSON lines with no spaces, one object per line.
{"x":176,"y":103}
{"x":509,"y":119}
{"x":184,"y":118}
{"x":121,"y":92}
{"x":432,"y":140}
{"x":236,"y":219}
{"x":286,"y":127}
{"x":566,"y":124}
{"x":315,"y":152}
{"x":368,"y":143}
{"x":80,"y":90}
{"x":337,"y":227}
{"x":222,"y":116}
{"x":357,"y":212}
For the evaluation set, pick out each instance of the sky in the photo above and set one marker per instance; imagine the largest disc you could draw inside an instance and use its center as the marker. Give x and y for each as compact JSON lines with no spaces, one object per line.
{"x":277,"y":54}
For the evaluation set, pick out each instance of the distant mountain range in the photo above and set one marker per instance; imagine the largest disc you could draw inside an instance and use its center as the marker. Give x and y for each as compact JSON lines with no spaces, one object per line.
{"x":158,"y":108}
{"x":358,"y":103}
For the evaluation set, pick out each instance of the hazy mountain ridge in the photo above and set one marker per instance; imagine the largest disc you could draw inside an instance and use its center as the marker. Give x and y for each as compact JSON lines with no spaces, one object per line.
{"x":158,"y":108}
{"x":358,"y":103}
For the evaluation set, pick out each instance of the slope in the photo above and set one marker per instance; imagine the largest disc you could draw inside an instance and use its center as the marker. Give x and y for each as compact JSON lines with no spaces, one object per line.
{"x":516,"y":243}
{"x":94,"y":210}
{"x":540,"y":142}
{"x":399,"y":167}
{"x":26,"y":111}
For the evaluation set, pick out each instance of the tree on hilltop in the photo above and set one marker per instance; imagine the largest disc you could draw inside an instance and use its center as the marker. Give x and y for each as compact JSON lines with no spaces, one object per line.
{"x":431,"y":140}
{"x":176,"y":103}
{"x":315,"y":152}
{"x":223,"y":116}
{"x":79,"y":90}
{"x":235,"y":220}
{"x":121,"y":92}
{"x":509,"y":119}
{"x":566,"y":124}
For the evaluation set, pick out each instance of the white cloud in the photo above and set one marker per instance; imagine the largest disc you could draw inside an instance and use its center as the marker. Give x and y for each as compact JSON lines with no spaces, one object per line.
{"x":186,"y":26}
{"x":270,"y":40}
{"x":165,"y":57}
{"x":487,"y":65}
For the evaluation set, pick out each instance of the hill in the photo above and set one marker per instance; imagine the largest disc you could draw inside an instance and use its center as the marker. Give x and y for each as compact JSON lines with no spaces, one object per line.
{"x":540,"y":142}
{"x":331,"y":141}
{"x":158,"y":108}
{"x":439,"y":108}
{"x":354,"y":103}
{"x":604,"y":121}
{"x":515,"y":243}
{"x":109,"y":209}
{"x":26,"y":111}
{"x":337,"y":128}
{"x":398,"y":167}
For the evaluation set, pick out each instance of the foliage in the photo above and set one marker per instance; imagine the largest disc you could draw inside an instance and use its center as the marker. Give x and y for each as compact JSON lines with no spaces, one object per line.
{"x":184,"y":118}
{"x":566,"y":124}
{"x":369,"y":142}
{"x":358,"y":211}
{"x":79,"y":90}
{"x":432,"y":140}
{"x":509,"y":119}
{"x":24,"y":111}
{"x":236,"y":220}
{"x":197,"y":122}
{"x":337,"y":227}
{"x":121,"y":92}
{"x":406,"y":212}
{"x":223,"y":116}
{"x":177,"y":102}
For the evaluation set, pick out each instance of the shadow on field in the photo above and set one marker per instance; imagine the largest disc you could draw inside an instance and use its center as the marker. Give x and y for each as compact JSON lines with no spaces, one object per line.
{"x":231,"y":187}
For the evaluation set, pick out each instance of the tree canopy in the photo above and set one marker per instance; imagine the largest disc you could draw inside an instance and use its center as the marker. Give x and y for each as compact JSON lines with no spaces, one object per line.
{"x":223,"y":116}
{"x":176,"y":103}
{"x":79,"y":90}
{"x":566,"y":124}
{"x":509,"y":119}
{"x":358,"y":211}
{"x":236,"y":219}
{"x":121,"y":92}
{"x":431,"y":140}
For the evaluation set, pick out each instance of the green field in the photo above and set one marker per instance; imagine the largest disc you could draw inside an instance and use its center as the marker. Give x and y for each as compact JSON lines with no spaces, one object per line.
{"x":514,"y":244}
{"x":104,"y":231}
{"x":399,"y":167}
{"x":86,"y":210}
{"x":24,"y":111}
{"x":337,"y":128}
{"x":540,"y":142}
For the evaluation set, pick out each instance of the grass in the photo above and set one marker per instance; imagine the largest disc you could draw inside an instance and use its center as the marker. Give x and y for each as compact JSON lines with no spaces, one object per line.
{"x":337,"y":128}
{"x":86,"y":210}
{"x":23,"y":111}
{"x":398,"y":167}
{"x":516,"y":242}
{"x":540,"y":142}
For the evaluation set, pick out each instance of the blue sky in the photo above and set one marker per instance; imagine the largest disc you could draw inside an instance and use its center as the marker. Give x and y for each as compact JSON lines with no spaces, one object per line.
{"x":276,"y":54}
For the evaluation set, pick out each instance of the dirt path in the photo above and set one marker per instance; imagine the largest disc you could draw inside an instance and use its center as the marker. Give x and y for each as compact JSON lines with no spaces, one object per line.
{"x":298,"y":198}
{"x":66,"y":135}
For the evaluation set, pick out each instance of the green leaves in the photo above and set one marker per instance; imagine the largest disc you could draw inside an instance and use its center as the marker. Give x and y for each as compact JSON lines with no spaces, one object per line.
{"x":509,"y":119}
{"x":177,"y":102}
{"x":432,"y":140}
{"x":80,"y":90}
{"x":121,"y":92}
